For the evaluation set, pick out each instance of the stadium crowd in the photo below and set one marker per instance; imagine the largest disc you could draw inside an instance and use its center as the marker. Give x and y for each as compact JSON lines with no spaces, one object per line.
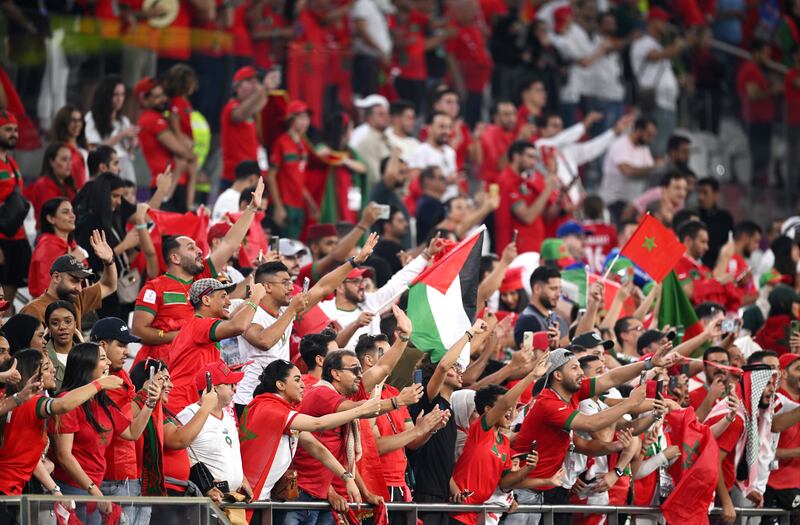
{"x":390,"y":251}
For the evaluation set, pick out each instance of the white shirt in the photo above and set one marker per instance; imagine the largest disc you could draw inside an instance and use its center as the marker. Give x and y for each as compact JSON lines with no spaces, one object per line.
{"x":377,"y":27}
{"x":260,"y":358}
{"x":227,"y":202}
{"x":407,"y":145}
{"x":574,"y":45}
{"x":615,"y":186}
{"x":605,"y":76}
{"x":121,"y":147}
{"x":373,"y":301}
{"x":217,"y":446}
{"x":443,"y":157}
{"x":658,"y":73}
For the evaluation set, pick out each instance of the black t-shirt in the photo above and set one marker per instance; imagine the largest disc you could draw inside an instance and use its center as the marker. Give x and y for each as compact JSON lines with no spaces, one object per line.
{"x":435,"y":460}
{"x":430,"y":212}
{"x":388,"y":250}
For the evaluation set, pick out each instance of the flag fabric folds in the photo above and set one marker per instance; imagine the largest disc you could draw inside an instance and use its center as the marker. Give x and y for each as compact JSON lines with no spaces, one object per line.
{"x":654,"y":248}
{"x":677,"y":310}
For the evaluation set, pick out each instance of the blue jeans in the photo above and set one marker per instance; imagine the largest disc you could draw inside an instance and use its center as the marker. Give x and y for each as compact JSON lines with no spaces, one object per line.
{"x":136,"y":515}
{"x":92,"y":518}
{"x":307,"y":517}
{"x":666,"y":120}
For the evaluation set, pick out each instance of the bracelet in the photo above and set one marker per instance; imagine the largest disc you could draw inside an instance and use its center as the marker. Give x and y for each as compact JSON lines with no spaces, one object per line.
{"x":161,"y":334}
{"x":17,"y":400}
{"x":395,"y":405}
{"x":426,"y":254}
{"x":469,"y":335}
{"x":142,"y":226}
{"x":96,"y":385}
{"x":648,"y":364}
{"x":91,"y":486}
{"x":151,"y":404}
{"x":403,"y":337}
{"x":352,"y":261}
{"x":362,"y":228}
{"x":252,"y":304}
{"x":108,"y":263}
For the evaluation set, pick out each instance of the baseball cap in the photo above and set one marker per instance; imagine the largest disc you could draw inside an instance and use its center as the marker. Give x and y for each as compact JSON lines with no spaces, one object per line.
{"x":4,"y":305}
{"x":512,"y":280}
{"x":291,"y":247}
{"x":71,"y":265}
{"x":6,"y":117}
{"x":787,"y":359}
{"x":113,"y":328}
{"x":204,"y":287}
{"x":651,"y":336}
{"x":592,"y":339}
{"x":569,"y":228}
{"x":371,"y":100}
{"x":296,"y":106}
{"x":221,"y":374}
{"x":144,"y":86}
{"x":782,"y":295}
{"x":318,"y":231}
{"x":657,"y":13}
{"x":558,"y":358}
{"x":244,"y":73}
{"x":555,"y":250}
{"x":355,"y":273}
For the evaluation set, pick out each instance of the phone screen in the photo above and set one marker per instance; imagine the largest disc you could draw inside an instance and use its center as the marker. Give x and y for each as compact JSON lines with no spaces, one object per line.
{"x":209,"y":386}
{"x":417,"y":376}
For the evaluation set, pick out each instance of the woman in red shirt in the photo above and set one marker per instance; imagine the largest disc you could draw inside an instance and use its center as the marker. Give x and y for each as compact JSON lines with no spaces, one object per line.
{"x":55,"y":179}
{"x":68,"y":127}
{"x":57,"y":223}
{"x":23,"y":436}
{"x":82,"y":436}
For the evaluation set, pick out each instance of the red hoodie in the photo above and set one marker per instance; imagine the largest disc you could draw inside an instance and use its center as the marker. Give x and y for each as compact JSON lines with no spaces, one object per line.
{"x":774,"y":335}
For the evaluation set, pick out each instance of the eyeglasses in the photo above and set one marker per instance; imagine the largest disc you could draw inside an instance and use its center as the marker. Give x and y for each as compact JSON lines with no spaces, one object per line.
{"x":357,"y":282}
{"x":355,"y":370}
{"x":635,"y":329}
{"x":286,"y":283}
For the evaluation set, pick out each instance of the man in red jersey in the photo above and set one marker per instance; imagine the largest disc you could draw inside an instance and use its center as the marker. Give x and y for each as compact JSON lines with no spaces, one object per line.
{"x":121,"y":477}
{"x":12,"y":276}
{"x":196,"y":344}
{"x":497,"y":137}
{"x":700,"y":283}
{"x":237,"y":122}
{"x":526,"y":198}
{"x":163,"y":306}
{"x":555,"y":414}
{"x":782,"y":483}
{"x":160,"y":145}
{"x":287,"y":173}
{"x":601,"y":237}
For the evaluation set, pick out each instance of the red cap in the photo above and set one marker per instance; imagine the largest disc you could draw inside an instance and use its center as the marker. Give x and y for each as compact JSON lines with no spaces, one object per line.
{"x":220,"y":375}
{"x":218,"y":231}
{"x":245,"y":73}
{"x":787,"y":359}
{"x":358,"y":272}
{"x":657,"y":13}
{"x":144,"y":86}
{"x":560,"y":16}
{"x":6,"y":118}
{"x":318,"y":231}
{"x":512,"y":280}
{"x":296,"y":106}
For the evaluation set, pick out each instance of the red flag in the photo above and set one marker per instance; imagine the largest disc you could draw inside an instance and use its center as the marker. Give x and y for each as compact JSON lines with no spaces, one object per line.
{"x":610,"y":292}
{"x":654,"y":248}
{"x":312,"y":321}
{"x":254,"y":242}
{"x":694,"y":473}
{"x":189,"y":224}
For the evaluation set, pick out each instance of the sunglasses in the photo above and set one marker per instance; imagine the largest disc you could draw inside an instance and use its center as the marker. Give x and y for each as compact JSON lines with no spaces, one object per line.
{"x":355,"y":370}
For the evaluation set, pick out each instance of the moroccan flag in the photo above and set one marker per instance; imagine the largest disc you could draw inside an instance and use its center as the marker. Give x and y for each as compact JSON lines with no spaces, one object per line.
{"x":694,"y":473}
{"x":441,"y":300}
{"x":610,"y":292}
{"x":654,"y":248}
{"x":254,"y":242}
{"x":677,"y":310}
{"x":189,"y":224}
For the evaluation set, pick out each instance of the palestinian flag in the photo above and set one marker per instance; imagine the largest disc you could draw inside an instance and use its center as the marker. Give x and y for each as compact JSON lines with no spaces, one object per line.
{"x":441,"y":300}
{"x":677,"y":310}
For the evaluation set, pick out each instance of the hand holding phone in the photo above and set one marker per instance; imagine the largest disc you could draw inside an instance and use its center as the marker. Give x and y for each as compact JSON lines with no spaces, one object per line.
{"x":417,"y":377}
{"x":306,"y":284}
{"x":209,"y":385}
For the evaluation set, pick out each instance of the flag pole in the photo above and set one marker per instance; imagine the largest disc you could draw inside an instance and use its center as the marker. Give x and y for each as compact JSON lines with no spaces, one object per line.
{"x":611,"y":265}
{"x":391,"y":300}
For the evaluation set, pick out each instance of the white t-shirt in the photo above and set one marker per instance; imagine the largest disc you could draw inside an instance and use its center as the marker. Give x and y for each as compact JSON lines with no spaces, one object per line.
{"x":227,"y":202}
{"x":287,"y":447}
{"x":444,"y":158}
{"x":121,"y":147}
{"x":260,"y":358}
{"x":605,"y":76}
{"x":616,"y":186}
{"x":656,"y":73}
{"x":217,"y":446}
{"x":407,"y":145}
{"x":377,"y":27}
{"x":574,"y":45}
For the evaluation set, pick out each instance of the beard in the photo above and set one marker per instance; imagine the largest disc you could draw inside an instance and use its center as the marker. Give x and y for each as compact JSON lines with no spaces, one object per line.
{"x":191,"y":266}
{"x":161,"y":107}
{"x":546,"y":302}
{"x":8,"y":144}
{"x":66,"y":294}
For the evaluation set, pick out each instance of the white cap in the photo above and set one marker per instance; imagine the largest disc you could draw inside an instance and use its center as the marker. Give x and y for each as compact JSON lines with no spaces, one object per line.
{"x":371,"y":100}
{"x":291,"y":247}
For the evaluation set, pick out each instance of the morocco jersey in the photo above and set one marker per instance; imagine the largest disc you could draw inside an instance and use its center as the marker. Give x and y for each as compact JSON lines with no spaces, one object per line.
{"x":600,"y":240}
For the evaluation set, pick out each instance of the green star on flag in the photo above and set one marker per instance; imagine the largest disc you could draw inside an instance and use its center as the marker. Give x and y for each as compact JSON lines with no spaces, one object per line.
{"x":650,"y":235}
{"x":649,"y":244}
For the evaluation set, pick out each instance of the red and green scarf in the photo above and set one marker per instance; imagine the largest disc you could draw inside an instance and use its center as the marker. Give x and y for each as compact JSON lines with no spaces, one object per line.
{"x":152,"y":450}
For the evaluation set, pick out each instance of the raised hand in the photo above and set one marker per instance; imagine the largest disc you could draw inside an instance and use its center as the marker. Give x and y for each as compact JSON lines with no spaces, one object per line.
{"x":366,"y":250}
{"x":101,"y":247}
{"x":11,"y":375}
{"x":410,"y":395}
{"x":110,"y":382}
{"x":255,"y":201}
{"x":404,"y":325}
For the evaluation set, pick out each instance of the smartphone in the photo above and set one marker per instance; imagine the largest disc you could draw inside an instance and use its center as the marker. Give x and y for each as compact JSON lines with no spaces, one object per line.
{"x":209,"y":386}
{"x":643,"y":377}
{"x":417,"y":377}
{"x":659,"y":386}
{"x":514,"y":235}
{"x":533,"y":445}
{"x":275,"y":244}
{"x":673,"y":382}
{"x":466,"y":493}
{"x":795,"y":327}
{"x":306,"y":284}
{"x":521,"y":456}
{"x":552,"y":319}
{"x":494,"y":190}
{"x":223,"y":486}
{"x":383,"y":211}
{"x":729,"y":325}
{"x":152,"y":373}
{"x":527,"y":339}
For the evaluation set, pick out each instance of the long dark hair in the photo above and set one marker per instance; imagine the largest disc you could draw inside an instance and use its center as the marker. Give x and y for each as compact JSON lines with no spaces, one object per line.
{"x":334,"y":130}
{"x":103,"y":104}
{"x":522,"y":302}
{"x":61,"y":121}
{"x":50,"y":208}
{"x":28,"y":362}
{"x":275,"y":371}
{"x":99,"y":201}
{"x":81,"y":362}
{"x":50,"y":153}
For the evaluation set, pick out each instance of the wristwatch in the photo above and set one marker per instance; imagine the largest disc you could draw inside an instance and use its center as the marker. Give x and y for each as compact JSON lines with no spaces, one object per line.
{"x":619,"y":472}
{"x":648,"y":364}
{"x":347,"y":475}
{"x":55,"y":489}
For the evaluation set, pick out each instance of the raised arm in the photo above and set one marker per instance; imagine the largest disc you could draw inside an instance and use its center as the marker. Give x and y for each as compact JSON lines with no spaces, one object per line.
{"x":509,"y":399}
{"x":75,"y":398}
{"x":662,"y":358}
{"x":378,"y":373}
{"x":346,"y":244}
{"x":241,"y":319}
{"x":265,"y":338}
{"x":108,"y":281}
{"x":232,"y":241}
{"x":451,"y":358}
{"x":306,"y":423}
{"x":602,"y":419}
{"x":330,"y":280}
{"x":181,"y":437}
{"x":493,"y":281}
{"x":139,"y":422}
